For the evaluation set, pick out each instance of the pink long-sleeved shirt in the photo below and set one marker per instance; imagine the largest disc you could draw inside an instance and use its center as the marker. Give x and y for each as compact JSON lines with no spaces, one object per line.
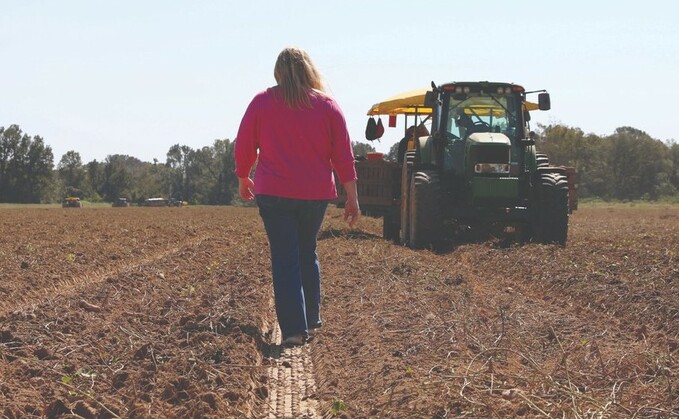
{"x":298,"y":148}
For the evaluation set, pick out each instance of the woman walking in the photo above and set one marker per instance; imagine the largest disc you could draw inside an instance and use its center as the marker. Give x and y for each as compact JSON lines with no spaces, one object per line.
{"x":297,"y":135}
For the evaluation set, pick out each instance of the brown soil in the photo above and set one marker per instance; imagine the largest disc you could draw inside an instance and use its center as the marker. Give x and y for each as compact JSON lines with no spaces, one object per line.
{"x":166,"y":312}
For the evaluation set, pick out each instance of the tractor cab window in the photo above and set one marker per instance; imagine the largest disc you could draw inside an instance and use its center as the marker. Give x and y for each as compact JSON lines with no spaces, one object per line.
{"x":482,"y":113}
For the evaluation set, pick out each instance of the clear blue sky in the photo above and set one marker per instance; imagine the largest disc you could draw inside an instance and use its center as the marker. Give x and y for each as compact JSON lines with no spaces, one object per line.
{"x":136,"y":77}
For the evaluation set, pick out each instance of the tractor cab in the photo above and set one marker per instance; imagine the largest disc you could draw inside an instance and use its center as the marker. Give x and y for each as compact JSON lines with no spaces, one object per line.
{"x":482,"y":145}
{"x":490,"y":116}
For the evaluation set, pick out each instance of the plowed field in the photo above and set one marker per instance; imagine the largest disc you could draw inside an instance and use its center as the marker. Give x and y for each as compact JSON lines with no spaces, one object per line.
{"x":167,"y":312}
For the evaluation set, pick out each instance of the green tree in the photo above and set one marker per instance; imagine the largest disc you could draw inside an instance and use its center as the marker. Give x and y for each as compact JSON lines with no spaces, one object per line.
{"x":94,"y":180}
{"x":226,"y":185}
{"x":674,"y":158}
{"x":362,"y":149}
{"x":179,"y":175}
{"x":39,"y":170}
{"x":26,"y":165}
{"x":71,"y":171}
{"x":640,"y":165}
{"x":564,"y":145}
{"x":149,"y":182}
{"x":119,"y":172}
{"x":594,"y":174}
{"x":215,"y":168}
{"x":392,"y":155}
{"x":201,"y":171}
{"x":569,"y":146}
{"x":205,"y":175}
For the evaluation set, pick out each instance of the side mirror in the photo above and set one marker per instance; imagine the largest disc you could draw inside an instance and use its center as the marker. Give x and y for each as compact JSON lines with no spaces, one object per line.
{"x":430,"y":99}
{"x":532,"y":136}
{"x":544,"y":102}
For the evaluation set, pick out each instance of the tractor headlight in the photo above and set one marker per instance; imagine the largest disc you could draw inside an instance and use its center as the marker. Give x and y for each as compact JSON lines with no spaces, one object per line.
{"x":491,"y":168}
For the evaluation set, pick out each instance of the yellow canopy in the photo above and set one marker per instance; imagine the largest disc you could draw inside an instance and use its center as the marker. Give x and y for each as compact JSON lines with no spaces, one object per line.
{"x":530,"y":106}
{"x":412,"y":102}
{"x":484,"y":111}
{"x":406,"y":103}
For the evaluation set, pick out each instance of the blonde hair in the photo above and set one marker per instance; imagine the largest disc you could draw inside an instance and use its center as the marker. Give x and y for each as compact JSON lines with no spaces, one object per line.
{"x":297,"y":76}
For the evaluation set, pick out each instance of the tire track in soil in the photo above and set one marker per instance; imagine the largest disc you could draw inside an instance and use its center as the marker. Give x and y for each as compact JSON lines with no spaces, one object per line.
{"x":531,"y":301}
{"x":292,"y":388}
{"x":65,"y":287}
{"x":147,"y":344}
{"x":538,"y":297}
{"x":495,"y":303}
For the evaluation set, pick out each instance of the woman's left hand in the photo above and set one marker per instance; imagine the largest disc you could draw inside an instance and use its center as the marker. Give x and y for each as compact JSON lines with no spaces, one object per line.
{"x":246,"y":188}
{"x":352,"y":212}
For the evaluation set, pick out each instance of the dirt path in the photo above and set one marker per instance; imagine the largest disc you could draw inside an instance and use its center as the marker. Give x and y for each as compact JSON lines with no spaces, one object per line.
{"x":292,"y":389}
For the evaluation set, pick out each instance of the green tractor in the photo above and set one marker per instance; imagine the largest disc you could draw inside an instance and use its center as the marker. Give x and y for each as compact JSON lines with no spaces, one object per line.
{"x":473,"y":169}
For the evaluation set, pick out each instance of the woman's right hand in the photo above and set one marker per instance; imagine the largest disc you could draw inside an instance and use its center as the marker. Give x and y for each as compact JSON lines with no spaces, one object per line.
{"x":352,"y":212}
{"x":246,"y":188}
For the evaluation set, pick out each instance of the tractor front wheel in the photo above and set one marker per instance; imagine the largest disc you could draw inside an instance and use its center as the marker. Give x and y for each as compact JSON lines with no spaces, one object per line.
{"x":551,"y":224}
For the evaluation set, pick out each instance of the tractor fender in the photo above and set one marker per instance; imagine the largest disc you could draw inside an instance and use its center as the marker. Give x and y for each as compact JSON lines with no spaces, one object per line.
{"x":552,"y":169}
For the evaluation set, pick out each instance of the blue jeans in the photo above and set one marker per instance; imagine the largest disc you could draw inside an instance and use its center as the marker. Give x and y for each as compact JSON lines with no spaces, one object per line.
{"x":292,"y":227}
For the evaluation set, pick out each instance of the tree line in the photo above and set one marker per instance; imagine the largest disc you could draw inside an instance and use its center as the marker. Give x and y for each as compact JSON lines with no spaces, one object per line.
{"x":28,"y":174}
{"x":626,"y":165}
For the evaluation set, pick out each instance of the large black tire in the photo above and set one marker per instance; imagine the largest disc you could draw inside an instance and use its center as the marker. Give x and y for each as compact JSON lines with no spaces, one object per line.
{"x":390,"y":226}
{"x":406,"y":170}
{"x":541,"y":160}
{"x":524,"y":233}
{"x":551,"y":214}
{"x":426,"y":219}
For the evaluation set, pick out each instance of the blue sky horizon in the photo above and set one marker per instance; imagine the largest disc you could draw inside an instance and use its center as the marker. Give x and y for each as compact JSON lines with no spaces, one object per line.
{"x":136,"y":78}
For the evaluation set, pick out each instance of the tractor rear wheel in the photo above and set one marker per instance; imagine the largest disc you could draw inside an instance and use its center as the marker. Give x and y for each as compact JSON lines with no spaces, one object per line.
{"x":551,"y":226}
{"x":390,"y":226}
{"x":426,"y":220}
{"x":406,"y":169}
